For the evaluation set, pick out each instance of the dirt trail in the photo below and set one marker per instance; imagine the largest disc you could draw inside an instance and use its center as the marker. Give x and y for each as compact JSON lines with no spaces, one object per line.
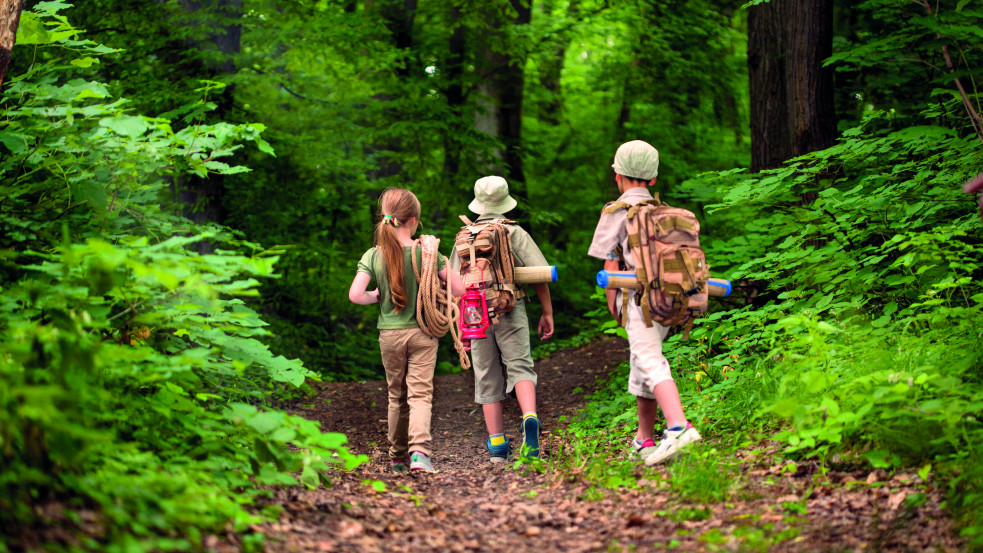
{"x":472,"y":505}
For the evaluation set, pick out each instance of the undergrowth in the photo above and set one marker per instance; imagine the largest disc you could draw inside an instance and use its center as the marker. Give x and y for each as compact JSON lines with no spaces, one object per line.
{"x":863,"y":334}
{"x":135,"y":391}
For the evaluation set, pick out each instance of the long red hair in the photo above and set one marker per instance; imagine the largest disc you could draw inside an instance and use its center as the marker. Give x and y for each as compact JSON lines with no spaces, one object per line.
{"x":396,"y":207}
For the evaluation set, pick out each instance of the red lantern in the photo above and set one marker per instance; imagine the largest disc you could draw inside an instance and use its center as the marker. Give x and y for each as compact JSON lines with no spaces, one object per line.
{"x":474,"y":315}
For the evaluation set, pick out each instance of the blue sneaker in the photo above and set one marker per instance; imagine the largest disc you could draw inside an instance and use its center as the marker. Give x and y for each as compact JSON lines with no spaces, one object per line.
{"x":531,"y":429}
{"x":499,"y":453}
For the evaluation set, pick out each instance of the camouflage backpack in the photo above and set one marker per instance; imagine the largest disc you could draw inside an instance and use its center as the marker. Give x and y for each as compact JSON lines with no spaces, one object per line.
{"x":485,"y":250}
{"x":670,"y":265}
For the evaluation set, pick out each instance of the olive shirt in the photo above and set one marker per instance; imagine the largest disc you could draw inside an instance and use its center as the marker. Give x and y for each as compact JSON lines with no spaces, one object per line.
{"x":373,"y":264}
{"x":524,"y":248}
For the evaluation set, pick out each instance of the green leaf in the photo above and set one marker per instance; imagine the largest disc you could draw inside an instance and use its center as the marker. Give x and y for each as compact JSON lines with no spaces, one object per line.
{"x":264,"y":146}
{"x":84,"y":62}
{"x":376,"y":485}
{"x":17,"y":143}
{"x":31,"y":30}
{"x":309,"y":478}
{"x":127,"y":125}
{"x":91,"y":192}
{"x":879,"y":458}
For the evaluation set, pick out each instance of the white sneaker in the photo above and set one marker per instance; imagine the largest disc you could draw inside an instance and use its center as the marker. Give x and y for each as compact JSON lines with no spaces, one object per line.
{"x":672,"y":442}
{"x":642,"y":449}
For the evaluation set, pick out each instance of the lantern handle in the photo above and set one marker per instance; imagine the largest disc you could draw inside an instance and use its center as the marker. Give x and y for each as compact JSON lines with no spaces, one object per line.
{"x":481,"y":275}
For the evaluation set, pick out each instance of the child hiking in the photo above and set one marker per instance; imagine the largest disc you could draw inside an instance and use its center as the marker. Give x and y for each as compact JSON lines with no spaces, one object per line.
{"x":409,"y":352}
{"x":502,"y":360}
{"x":636,"y":166}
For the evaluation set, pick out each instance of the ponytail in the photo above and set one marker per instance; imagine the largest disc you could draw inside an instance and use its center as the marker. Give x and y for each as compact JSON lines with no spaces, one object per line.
{"x":396,"y":206}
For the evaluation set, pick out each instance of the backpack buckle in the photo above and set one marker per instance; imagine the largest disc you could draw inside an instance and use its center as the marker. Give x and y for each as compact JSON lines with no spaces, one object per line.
{"x":692,"y":290}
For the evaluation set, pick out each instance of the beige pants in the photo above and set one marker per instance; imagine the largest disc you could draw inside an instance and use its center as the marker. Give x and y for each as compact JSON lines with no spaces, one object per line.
{"x":409,"y":357}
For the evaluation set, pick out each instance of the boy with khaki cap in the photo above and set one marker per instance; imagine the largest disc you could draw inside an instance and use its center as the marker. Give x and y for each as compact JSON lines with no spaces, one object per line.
{"x":636,"y":166}
{"x":502,"y":361}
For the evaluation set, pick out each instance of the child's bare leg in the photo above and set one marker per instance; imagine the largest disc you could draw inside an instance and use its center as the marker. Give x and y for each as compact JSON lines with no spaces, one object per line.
{"x":647,"y":411}
{"x":494,"y":419}
{"x":667,"y":395}
{"x":525,"y":392}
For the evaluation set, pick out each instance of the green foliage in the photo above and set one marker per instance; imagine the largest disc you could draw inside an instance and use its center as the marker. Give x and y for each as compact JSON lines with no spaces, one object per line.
{"x":596,"y":446}
{"x":892,"y":56}
{"x":864,"y":334}
{"x":357,"y":97}
{"x":859,"y":270}
{"x":134,"y":383}
{"x":700,"y":475}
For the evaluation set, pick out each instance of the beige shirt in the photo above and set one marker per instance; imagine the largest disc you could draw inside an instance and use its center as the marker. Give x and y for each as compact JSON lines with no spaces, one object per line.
{"x":524,"y":248}
{"x":611,"y":231}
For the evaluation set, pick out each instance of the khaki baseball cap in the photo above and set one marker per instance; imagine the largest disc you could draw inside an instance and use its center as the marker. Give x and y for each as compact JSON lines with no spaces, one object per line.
{"x":637,"y":159}
{"x":491,"y":195}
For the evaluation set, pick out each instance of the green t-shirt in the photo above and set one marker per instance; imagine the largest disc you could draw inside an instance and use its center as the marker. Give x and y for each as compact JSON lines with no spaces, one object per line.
{"x":373,"y":264}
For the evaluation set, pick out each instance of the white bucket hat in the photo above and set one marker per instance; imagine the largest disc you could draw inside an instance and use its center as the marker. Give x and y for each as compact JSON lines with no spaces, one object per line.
{"x":491,"y":195}
{"x":637,"y":159}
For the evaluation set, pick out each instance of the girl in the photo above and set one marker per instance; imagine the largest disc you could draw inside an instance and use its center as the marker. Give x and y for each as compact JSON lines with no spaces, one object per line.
{"x":408,"y":354}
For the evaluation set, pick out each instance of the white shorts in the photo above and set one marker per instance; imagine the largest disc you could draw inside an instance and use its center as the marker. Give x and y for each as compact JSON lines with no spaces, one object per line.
{"x":649,"y":367}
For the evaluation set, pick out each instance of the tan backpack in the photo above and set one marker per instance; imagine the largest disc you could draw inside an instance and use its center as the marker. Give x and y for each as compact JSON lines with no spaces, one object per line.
{"x":485,"y":250}
{"x":670,"y":265}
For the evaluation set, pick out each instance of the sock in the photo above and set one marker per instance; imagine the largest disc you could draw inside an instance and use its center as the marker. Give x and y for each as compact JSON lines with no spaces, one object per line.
{"x":637,"y":443}
{"x":529,"y":414}
{"x":496,"y":439}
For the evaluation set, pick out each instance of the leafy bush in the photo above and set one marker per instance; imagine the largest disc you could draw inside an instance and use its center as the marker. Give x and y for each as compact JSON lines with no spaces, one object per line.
{"x":866,"y":333}
{"x":134,"y":384}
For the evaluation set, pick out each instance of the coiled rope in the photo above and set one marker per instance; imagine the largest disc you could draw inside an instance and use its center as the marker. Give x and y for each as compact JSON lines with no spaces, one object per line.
{"x":436,"y":311}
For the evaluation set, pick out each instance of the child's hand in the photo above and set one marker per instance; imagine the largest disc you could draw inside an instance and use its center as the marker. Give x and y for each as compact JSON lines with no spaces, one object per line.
{"x":546,"y":327}
{"x":374,"y":294}
{"x":613,"y":310}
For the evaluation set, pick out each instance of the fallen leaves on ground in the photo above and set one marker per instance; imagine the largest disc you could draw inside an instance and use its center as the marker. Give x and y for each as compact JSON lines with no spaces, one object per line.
{"x":471,"y":505}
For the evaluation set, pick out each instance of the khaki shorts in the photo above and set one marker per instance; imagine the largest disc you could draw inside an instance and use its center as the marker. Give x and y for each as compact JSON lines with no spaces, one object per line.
{"x":649,"y":367}
{"x":503,"y":358}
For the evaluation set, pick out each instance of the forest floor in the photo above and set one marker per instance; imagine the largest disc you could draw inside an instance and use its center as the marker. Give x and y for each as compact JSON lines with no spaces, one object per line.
{"x":473,"y":505}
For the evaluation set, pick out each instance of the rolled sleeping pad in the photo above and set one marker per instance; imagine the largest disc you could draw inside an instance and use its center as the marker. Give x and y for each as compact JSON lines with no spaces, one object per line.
{"x":616,"y":279}
{"x":534,"y":275}
{"x":719,"y":287}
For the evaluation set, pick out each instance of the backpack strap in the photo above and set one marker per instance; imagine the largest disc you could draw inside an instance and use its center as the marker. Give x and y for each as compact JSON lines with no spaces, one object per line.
{"x":467,"y":222}
{"x":687,"y":328}
{"x":611,"y":207}
{"x":690,"y":272}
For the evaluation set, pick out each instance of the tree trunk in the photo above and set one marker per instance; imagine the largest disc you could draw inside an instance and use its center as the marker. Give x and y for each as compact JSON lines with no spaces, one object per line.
{"x":9,"y":19}
{"x":792,"y":108}
{"x":552,"y":70}
{"x":766,"y":58}
{"x":500,"y":107}
{"x":809,"y":85}
{"x":399,"y":20}
{"x":455,"y":97}
{"x":202,"y":197}
{"x":399,"y":16}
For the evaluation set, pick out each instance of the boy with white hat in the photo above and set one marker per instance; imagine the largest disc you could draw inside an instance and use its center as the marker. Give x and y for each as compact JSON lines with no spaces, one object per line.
{"x":636,"y":166}
{"x":502,"y":361}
